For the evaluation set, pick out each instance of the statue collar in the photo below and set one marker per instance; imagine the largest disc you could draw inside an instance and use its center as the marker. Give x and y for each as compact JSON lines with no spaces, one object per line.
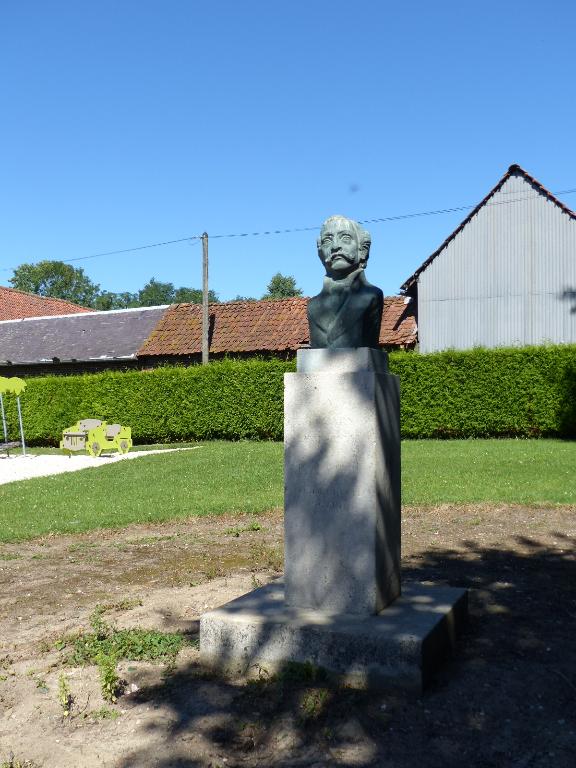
{"x":344,"y":284}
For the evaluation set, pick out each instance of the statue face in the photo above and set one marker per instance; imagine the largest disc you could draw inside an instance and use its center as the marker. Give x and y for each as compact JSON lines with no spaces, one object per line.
{"x":339,"y":247}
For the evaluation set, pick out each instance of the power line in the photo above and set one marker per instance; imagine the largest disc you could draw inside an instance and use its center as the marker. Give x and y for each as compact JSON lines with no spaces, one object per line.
{"x":130,"y":250}
{"x":291,"y":230}
{"x":123,"y":250}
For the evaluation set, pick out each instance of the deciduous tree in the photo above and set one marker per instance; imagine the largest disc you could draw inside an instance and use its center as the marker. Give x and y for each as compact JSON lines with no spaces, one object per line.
{"x":282,"y":287}
{"x":56,"y":280}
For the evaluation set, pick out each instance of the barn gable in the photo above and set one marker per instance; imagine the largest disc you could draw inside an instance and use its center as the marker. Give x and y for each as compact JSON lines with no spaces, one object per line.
{"x":506,"y":276}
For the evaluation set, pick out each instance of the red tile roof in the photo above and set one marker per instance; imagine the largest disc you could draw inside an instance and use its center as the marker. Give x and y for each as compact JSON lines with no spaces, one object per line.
{"x":16,"y":305}
{"x":514,"y":170}
{"x":398,"y":327}
{"x":278,"y":325}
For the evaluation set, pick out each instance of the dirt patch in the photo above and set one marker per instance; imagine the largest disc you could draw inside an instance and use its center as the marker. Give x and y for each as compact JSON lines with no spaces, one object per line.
{"x":506,"y":699}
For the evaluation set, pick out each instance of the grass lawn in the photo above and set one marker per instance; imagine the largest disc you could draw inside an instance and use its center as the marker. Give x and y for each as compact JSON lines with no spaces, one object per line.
{"x":217,"y":477}
{"x":247,"y":477}
{"x":468,"y":471}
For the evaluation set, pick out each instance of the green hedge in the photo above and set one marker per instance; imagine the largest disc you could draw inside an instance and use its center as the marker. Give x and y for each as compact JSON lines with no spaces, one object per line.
{"x":521,"y":392}
{"x":228,"y":399}
{"x":526,"y":392}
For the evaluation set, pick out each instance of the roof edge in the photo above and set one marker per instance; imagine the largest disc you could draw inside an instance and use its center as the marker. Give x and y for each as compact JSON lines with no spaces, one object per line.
{"x":514,"y":169}
{"x":84,"y":314}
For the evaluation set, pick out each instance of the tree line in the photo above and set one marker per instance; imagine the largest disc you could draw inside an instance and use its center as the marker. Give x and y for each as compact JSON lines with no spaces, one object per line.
{"x":58,"y":280}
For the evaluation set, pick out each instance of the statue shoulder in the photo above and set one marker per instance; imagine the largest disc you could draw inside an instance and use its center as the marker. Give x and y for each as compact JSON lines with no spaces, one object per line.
{"x":314,"y":303}
{"x":373,"y":290}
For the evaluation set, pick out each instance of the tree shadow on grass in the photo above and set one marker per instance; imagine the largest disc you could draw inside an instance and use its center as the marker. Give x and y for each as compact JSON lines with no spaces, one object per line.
{"x":506,"y":698}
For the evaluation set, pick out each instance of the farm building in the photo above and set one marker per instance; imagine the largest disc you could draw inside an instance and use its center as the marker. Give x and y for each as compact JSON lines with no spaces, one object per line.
{"x":505,"y":277}
{"x":81,"y":343}
{"x":146,"y":337}
{"x":245,"y":328}
{"x":15,"y":305}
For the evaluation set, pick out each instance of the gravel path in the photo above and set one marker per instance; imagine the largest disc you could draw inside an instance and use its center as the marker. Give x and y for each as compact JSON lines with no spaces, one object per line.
{"x":15,"y":468}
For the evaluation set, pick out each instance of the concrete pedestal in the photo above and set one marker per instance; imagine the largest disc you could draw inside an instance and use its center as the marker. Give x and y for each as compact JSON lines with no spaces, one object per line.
{"x":401,"y":647}
{"x":342,"y":482}
{"x":339,"y":607}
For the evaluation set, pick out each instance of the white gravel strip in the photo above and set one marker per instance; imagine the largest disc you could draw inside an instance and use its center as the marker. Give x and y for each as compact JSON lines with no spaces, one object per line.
{"x":15,"y":468}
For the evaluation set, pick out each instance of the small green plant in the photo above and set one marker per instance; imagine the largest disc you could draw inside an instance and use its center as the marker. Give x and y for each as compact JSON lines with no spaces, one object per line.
{"x":81,"y":546}
{"x":302,"y":672}
{"x":237,"y":530}
{"x":264,"y":556}
{"x":65,"y":697}
{"x":104,"y":713}
{"x":110,"y":684}
{"x":313,"y":702}
{"x":107,"y":641}
{"x":123,"y":605}
{"x":213,"y":569}
{"x":13,"y":762}
{"x":99,"y":626}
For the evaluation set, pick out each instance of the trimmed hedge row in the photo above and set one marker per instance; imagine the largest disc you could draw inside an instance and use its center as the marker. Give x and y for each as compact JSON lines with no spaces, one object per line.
{"x":517,"y":392}
{"x":228,"y":399}
{"x":527,"y":392}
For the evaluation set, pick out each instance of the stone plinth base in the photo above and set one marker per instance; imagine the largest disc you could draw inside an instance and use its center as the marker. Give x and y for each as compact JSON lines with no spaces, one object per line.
{"x":400,"y":647}
{"x":341,"y":482}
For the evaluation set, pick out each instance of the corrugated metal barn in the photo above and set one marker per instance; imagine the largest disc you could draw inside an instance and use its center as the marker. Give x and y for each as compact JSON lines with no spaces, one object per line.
{"x":505,"y":277}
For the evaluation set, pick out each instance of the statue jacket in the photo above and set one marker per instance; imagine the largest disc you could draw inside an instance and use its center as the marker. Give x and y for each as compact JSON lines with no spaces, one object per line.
{"x":346,"y":313}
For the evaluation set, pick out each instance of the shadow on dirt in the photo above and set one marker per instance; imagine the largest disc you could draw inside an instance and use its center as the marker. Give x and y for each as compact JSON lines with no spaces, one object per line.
{"x":505,"y":699}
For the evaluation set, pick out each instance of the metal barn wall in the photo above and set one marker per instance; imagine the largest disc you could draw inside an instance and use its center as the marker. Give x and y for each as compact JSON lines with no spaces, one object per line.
{"x":508,"y":278}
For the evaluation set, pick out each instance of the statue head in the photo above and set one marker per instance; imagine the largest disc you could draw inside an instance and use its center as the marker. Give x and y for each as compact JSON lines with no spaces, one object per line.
{"x":343,"y":246}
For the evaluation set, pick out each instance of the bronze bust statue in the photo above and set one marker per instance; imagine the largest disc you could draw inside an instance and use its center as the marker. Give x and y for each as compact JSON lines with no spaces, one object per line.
{"x":348,"y":310}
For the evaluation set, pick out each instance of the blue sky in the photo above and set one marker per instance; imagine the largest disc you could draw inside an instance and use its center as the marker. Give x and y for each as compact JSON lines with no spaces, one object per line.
{"x":136,"y":122}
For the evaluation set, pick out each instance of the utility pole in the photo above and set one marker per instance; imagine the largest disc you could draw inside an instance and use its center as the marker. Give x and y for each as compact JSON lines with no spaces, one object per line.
{"x":205,"y":317}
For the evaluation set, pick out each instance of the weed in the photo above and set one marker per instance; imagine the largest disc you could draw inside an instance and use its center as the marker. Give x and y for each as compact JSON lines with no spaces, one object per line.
{"x":41,"y":684}
{"x":104,"y":713}
{"x":9,"y":556}
{"x":65,"y":697}
{"x":236,"y":531}
{"x":146,"y":540}
{"x":212,"y":570}
{"x":101,"y":629}
{"x":133,"y":644}
{"x":121,"y":605}
{"x":264,"y":556}
{"x":6,"y":666}
{"x":110,"y":684}
{"x":298,"y":672}
{"x":13,"y":762}
{"x":313,"y":702}
{"x":81,"y":546}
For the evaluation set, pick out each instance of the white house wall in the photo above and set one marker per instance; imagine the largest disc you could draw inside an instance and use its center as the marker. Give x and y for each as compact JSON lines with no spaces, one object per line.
{"x":505,"y":279}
